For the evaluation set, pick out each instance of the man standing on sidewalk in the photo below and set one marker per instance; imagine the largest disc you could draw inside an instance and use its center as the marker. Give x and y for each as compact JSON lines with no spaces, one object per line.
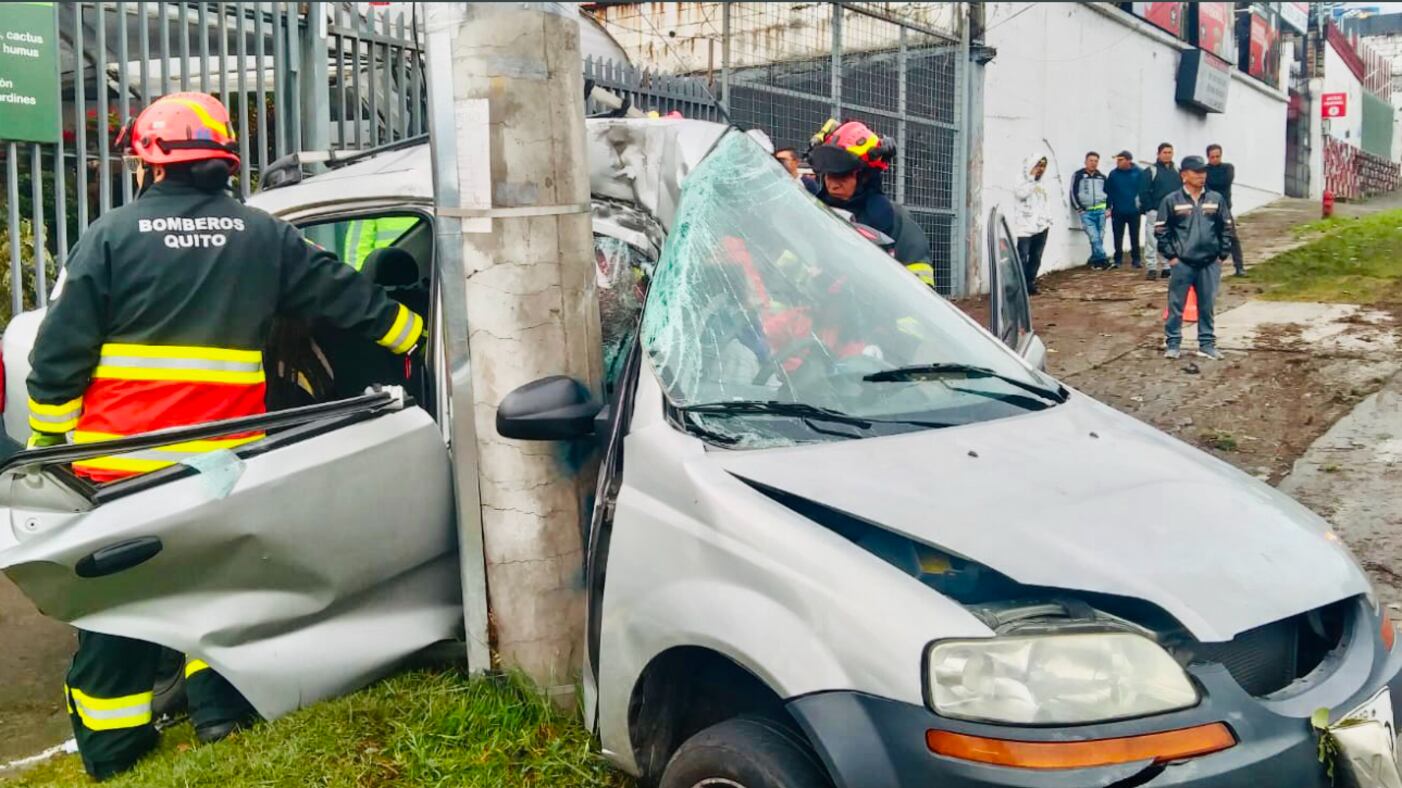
{"x":1088,"y":198}
{"x":1122,"y":193}
{"x":1032,"y":220}
{"x":1157,"y":182}
{"x":1219,"y":179}
{"x":1194,"y":233}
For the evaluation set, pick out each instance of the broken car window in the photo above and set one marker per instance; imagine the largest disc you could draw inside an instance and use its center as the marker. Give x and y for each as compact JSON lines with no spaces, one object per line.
{"x":621,"y":279}
{"x":763,"y":296}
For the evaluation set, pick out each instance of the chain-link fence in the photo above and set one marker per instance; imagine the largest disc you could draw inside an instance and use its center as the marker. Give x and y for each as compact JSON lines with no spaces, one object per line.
{"x":294,"y":76}
{"x":788,"y":67}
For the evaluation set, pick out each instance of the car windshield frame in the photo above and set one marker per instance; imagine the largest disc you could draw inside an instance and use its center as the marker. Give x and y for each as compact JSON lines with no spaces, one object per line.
{"x":764,"y":295}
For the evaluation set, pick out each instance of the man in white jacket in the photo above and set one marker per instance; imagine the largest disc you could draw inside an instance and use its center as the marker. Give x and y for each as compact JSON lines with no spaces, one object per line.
{"x":1033,"y":218}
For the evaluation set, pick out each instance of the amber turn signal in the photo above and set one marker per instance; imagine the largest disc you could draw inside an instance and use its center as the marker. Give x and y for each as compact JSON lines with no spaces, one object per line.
{"x":1157,"y":747}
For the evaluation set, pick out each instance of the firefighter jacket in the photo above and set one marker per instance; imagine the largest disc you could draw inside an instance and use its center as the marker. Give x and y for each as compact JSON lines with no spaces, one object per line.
{"x":162,"y":318}
{"x":1195,"y":232}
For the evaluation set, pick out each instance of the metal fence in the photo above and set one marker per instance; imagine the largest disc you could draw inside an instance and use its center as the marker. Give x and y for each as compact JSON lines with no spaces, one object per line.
{"x":294,"y":76}
{"x":787,"y":67}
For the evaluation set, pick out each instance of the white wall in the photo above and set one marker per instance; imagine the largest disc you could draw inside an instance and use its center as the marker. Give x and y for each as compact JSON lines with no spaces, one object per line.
{"x":1069,"y":78}
{"x":1339,"y":79}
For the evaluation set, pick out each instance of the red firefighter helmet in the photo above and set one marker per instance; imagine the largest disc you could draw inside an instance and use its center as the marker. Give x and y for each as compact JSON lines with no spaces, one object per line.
{"x":841,"y":148}
{"x":181,"y":127}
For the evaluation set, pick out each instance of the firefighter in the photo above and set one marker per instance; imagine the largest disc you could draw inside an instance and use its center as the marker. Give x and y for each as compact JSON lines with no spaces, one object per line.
{"x":161,"y":322}
{"x":850,"y":159}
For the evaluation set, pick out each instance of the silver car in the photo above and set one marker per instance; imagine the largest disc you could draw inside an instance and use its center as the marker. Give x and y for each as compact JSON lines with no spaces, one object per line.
{"x":845,"y":535}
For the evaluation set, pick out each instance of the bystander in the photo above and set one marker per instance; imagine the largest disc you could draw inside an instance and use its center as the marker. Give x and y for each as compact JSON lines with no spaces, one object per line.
{"x":1088,"y":198}
{"x":1158,"y":181}
{"x":1033,"y":218}
{"x":1194,"y":234}
{"x":1220,"y":177}
{"x":1122,"y":195}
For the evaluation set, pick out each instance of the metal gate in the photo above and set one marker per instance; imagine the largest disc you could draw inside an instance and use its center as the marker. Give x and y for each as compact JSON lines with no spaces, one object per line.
{"x":787,"y":67}
{"x":294,"y":76}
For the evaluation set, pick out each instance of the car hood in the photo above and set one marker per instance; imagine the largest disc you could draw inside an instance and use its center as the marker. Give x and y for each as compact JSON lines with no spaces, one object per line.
{"x":1082,"y":497}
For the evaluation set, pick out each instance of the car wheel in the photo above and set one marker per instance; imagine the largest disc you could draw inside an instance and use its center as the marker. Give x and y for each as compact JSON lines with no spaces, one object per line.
{"x":745,"y":752}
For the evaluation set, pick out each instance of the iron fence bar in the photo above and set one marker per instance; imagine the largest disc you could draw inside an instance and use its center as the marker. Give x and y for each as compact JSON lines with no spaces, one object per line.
{"x":184,"y":30}
{"x":60,"y":187}
{"x":104,"y":174}
{"x":402,"y":105}
{"x":353,"y":30}
{"x":292,"y":62}
{"x":123,"y":99}
{"x":355,"y":78}
{"x":143,"y":42}
{"x":416,"y":96}
{"x":162,"y":11}
{"x":261,"y":121}
{"x":36,"y":186}
{"x":279,"y":85}
{"x":958,"y":188}
{"x":243,"y":101}
{"x":224,"y":54}
{"x":80,"y":118}
{"x":341,"y":88}
{"x":370,"y":79}
{"x":390,"y":110}
{"x":836,"y":60}
{"x":725,"y":56}
{"x":12,"y":192}
{"x":202,"y":19}
{"x":901,"y":88}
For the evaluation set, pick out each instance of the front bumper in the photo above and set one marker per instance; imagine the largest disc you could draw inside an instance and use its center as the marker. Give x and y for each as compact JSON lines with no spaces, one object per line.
{"x":872,"y":742}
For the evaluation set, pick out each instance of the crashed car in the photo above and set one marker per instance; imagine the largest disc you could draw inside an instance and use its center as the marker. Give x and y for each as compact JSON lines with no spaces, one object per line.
{"x":844,"y":534}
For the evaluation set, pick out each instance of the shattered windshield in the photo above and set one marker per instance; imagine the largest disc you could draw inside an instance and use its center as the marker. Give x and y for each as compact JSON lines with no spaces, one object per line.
{"x":771,"y":322}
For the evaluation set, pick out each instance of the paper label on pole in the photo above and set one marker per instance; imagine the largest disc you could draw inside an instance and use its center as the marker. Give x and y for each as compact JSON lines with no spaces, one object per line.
{"x":29,"y":104}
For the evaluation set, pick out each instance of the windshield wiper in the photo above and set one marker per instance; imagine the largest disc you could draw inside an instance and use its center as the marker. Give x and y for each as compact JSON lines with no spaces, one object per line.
{"x":800,"y":410}
{"x":962,"y":372}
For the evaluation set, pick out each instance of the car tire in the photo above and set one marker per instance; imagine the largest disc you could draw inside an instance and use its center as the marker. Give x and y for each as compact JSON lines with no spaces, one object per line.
{"x":745,"y":752}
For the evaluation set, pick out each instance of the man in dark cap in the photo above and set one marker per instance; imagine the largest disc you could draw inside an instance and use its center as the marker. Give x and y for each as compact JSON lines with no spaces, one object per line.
{"x":1122,"y":193}
{"x":1194,"y":233}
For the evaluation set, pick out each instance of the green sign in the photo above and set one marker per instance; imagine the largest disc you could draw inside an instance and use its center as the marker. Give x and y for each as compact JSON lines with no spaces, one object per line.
{"x":29,"y":101}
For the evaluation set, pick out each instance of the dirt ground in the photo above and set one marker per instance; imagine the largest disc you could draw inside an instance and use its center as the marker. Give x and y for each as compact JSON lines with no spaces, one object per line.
{"x":1259,"y":409}
{"x":34,"y":654}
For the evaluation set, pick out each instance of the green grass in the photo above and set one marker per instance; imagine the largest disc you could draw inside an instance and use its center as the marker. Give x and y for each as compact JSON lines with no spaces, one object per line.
{"x":418,"y":729}
{"x":1355,"y":261}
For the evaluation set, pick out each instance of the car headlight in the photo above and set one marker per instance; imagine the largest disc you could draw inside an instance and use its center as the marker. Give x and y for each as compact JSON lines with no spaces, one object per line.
{"x":1055,"y":679}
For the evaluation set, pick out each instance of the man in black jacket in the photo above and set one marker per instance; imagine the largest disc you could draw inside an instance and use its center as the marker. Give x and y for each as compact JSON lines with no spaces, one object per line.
{"x":1220,"y":176}
{"x":1194,"y":234}
{"x":1159,"y":180}
{"x":1122,"y":193}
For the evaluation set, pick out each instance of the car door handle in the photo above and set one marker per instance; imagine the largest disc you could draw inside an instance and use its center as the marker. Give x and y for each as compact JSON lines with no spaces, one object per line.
{"x":119,"y":557}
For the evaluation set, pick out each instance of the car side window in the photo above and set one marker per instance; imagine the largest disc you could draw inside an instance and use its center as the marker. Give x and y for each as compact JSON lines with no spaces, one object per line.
{"x":622,"y":273}
{"x":1015,"y":312}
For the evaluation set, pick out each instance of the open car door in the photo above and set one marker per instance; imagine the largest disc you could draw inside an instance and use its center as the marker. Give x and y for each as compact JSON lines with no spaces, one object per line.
{"x":1010,"y":313}
{"x":300,"y":567}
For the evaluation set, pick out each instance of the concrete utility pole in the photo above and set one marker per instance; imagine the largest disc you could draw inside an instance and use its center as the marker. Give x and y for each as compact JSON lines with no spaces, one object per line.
{"x":506,"y":95}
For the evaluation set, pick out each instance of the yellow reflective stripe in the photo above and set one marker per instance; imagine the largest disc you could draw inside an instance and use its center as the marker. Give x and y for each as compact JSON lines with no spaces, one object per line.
{"x":188,"y":447}
{"x":404,"y":333}
{"x":177,"y":375}
{"x":67,"y":698}
{"x":183,"y":351}
{"x":106,"y":714}
{"x":207,"y":119}
{"x":195,"y":666}
{"x":122,"y":464}
{"x":54,"y":419}
{"x":924,"y":271}
{"x":865,"y":147}
{"x":62,"y":409}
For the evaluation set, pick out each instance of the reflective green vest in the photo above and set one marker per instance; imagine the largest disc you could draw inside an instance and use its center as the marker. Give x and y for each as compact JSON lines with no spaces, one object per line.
{"x":364,"y":236}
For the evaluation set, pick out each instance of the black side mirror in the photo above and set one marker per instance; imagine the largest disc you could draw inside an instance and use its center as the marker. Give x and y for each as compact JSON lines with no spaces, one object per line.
{"x":556,"y":408}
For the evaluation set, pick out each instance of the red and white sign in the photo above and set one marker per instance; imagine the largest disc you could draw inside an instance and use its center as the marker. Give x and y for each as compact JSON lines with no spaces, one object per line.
{"x":1333,"y":105}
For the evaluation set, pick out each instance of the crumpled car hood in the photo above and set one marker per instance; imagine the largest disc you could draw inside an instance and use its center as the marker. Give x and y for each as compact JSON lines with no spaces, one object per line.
{"x":1083,"y":497}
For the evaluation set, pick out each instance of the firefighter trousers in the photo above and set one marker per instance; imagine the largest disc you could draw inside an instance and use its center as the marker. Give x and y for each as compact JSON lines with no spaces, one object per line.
{"x":110,"y":689}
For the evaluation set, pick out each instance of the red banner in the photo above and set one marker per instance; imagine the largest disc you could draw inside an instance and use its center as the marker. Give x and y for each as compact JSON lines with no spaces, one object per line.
{"x":1215,"y":31}
{"x":1265,"y":48}
{"x":1171,"y":17}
